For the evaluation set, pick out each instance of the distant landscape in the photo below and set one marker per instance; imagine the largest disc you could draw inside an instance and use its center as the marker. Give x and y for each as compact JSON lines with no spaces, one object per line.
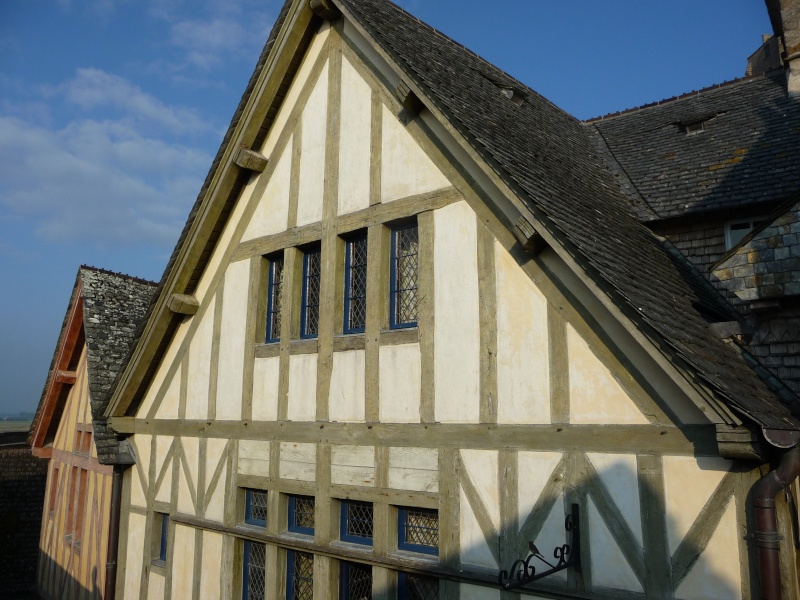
{"x":15,"y":421}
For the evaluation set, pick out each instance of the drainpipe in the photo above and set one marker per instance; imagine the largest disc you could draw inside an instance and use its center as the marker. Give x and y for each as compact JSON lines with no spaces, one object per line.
{"x":113,"y":533}
{"x":767,"y":539}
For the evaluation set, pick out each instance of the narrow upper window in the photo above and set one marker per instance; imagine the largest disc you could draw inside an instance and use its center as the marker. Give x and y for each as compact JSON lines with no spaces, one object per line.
{"x":299,"y":576}
{"x":356,"y":522}
{"x":162,"y":523}
{"x":301,"y":514}
{"x":254,"y":571}
{"x":309,"y":307}
{"x":255,"y":507}
{"x":355,"y":581}
{"x":735,"y":231}
{"x":355,"y":284}
{"x":417,"y":587}
{"x":274,"y":295}
{"x":418,"y":530}
{"x":403,"y":278}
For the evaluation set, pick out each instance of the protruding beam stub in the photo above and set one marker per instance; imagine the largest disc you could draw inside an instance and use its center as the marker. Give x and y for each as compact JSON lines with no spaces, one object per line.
{"x":250,"y":160}
{"x":739,"y":443}
{"x":182,"y":304}
{"x":66,"y":377}
{"x":527,"y":236}
{"x":412,"y":105}
{"x":325,"y":9}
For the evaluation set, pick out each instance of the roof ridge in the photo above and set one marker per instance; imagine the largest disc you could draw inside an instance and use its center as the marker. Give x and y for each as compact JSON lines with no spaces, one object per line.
{"x":690,"y":94}
{"x":117,"y":274}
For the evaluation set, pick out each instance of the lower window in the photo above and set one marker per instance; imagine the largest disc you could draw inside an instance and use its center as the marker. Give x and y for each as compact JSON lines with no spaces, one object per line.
{"x":417,"y":587}
{"x":254,"y":581}
{"x":355,"y":582}
{"x":299,"y":575}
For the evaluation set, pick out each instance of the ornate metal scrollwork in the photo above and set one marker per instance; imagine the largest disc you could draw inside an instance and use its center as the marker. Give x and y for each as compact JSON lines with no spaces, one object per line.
{"x":523,"y":572}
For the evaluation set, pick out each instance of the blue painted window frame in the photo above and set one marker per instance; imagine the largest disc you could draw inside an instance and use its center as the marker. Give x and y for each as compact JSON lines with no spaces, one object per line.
{"x":348,"y":273}
{"x":291,"y":526}
{"x":248,"y":508}
{"x":246,"y":570}
{"x":273,"y":336}
{"x":402,"y":517}
{"x":393,"y":323}
{"x":290,"y":555}
{"x":304,"y":332}
{"x":343,"y":521}
{"x":402,"y":585}
{"x":162,"y":549}
{"x":344,"y":577}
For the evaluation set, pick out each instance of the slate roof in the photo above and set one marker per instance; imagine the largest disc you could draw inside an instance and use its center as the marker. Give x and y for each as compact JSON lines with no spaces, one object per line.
{"x":551,"y":157}
{"x":746,"y":155}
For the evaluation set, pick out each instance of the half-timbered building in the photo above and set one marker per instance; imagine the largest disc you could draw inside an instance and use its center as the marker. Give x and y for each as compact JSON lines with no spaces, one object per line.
{"x":412,"y":320}
{"x":104,"y":311}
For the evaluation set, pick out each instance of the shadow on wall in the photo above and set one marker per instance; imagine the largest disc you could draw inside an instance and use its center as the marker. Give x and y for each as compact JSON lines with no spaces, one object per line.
{"x":64,"y":585}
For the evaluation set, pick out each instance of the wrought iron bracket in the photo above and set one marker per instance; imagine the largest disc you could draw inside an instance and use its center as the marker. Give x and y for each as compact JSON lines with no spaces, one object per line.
{"x":522,"y":572}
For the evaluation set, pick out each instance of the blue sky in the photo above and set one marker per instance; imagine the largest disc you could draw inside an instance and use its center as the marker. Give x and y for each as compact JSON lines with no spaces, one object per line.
{"x":112,"y":110}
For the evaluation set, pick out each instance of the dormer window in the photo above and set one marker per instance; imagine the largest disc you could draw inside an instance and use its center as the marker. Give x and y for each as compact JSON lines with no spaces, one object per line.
{"x":694,"y":127}
{"x":735,"y":231}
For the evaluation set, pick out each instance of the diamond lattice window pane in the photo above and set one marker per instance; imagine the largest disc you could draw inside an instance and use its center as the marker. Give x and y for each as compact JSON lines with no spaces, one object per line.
{"x":311,"y":298}
{"x":302,"y":576}
{"x":422,"y":527}
{"x":304,"y":511}
{"x":359,"y":582}
{"x":405,"y":275}
{"x":276,"y":293}
{"x":359,"y":519}
{"x":257,"y":505}
{"x":256,"y":570}
{"x":419,"y":587}
{"x":357,"y":279}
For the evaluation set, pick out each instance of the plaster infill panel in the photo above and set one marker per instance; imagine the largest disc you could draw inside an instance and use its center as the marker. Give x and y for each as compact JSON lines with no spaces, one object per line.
{"x":399,"y":383}
{"x":302,"y":387}
{"x":253,"y":458}
{"x":271,"y":214}
{"x":618,"y":474}
{"x":230,"y":370}
{"x":163,"y":472}
{"x":183,"y":562}
{"x":137,"y":525}
{"x":298,"y":461}
{"x":353,"y":465}
{"x":266,"y":373}
{"x":457,"y":322}
{"x":312,"y":153}
{"x":415,"y":469}
{"x":474,"y":548}
{"x":354,"y":141}
{"x":406,"y":169}
{"x":523,"y":371}
{"x":347,"y":391}
{"x":210,"y":572}
{"x":199,"y":375}
{"x":170,"y":402}
{"x":155,"y":586}
{"x":609,"y":567}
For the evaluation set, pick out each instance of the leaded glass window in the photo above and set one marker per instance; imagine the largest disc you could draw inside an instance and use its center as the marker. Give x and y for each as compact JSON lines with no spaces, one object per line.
{"x":418,"y":530}
{"x":356,"y":522}
{"x":254,"y":581}
{"x":301,"y":514}
{"x":403,"y":280}
{"x":274,"y":295}
{"x":417,"y":587}
{"x":309,"y":308}
{"x":255,"y":507}
{"x":355,"y":582}
{"x":299,"y":576}
{"x":355,"y":284}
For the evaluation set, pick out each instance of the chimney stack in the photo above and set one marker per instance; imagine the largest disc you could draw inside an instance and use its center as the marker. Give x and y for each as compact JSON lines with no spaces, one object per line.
{"x":785,"y":18}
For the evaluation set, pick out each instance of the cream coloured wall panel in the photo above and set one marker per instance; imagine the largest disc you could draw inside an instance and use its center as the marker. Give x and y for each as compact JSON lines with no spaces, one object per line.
{"x":183,"y":562}
{"x":168,"y":409}
{"x":609,"y":566}
{"x":353,"y":465}
{"x":414,"y":469}
{"x":312,"y":158}
{"x":405,"y":169}
{"x":215,"y":453}
{"x":139,"y":487}
{"x":474,"y":549}
{"x":298,"y":461}
{"x":199,"y":376}
{"x":354,"y":141}
{"x":265,"y":388}
{"x":211,"y":565}
{"x":155,"y":586}
{"x":185,"y":489}
{"x":161,"y":373}
{"x":479,"y":592}
{"x":272,"y":209}
{"x":347,"y":386}
{"x":231,"y":341}
{"x":137,"y":525}
{"x":215,"y":499}
{"x":191,"y":452}
{"x":163,"y":445}
{"x":253,"y":457}
{"x":302,"y":387}
{"x":399,"y":383}
{"x":216,"y":459}
{"x":481,"y":466}
{"x":523,"y":370}
{"x":619,"y":475}
{"x":535,"y":469}
{"x":595,"y":395}
{"x":457,"y":323}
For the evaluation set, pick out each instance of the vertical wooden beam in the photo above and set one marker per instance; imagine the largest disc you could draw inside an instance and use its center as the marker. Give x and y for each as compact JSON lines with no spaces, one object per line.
{"x":383,"y":538}
{"x":384,"y":583}
{"x":426,"y":316}
{"x":197,"y":567}
{"x":290,"y":322}
{"x":256,"y":294}
{"x":449,"y":508}
{"x":487,"y":299}
{"x":215,"y":338}
{"x":377,"y":314}
{"x":124,"y":532}
{"x":575,"y":492}
{"x":559,"y":365}
{"x":376,"y":148}
{"x":184,"y":384}
{"x":745,"y":523}
{"x":324,"y":517}
{"x":294,"y":173}
{"x":657,"y":569}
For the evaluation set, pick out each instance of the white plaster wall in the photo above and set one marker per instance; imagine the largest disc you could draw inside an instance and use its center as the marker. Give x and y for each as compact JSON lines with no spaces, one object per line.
{"x":155,"y":586}
{"x":414,"y":469}
{"x":481,"y":467}
{"x":479,"y":592}
{"x":457,"y":323}
{"x":162,"y":372}
{"x":353,"y":465}
{"x":619,"y":475}
{"x":231,"y":341}
{"x":609,"y":566}
{"x":354,"y":141}
{"x":298,"y":461}
{"x":216,"y":459}
{"x":137,"y":524}
{"x":595,"y":395}
{"x":185,"y":489}
{"x":272,"y":209}
{"x":265,"y":388}
{"x":211,"y":564}
{"x":302,"y":387}
{"x":535,"y":469}
{"x":312,"y":157}
{"x":163,"y":464}
{"x":139,"y":486}
{"x":191,"y":452}
{"x":199,"y":375}
{"x":474,"y":549}
{"x":405,"y":169}
{"x":347,"y":386}
{"x":523,"y":370}
{"x":399,"y":383}
{"x":253,"y":457}
{"x":168,"y":409}
{"x":183,"y":562}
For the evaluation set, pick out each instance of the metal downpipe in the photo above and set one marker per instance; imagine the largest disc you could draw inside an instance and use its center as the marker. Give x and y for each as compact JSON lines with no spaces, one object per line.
{"x":113,"y":533}
{"x":767,"y":538}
